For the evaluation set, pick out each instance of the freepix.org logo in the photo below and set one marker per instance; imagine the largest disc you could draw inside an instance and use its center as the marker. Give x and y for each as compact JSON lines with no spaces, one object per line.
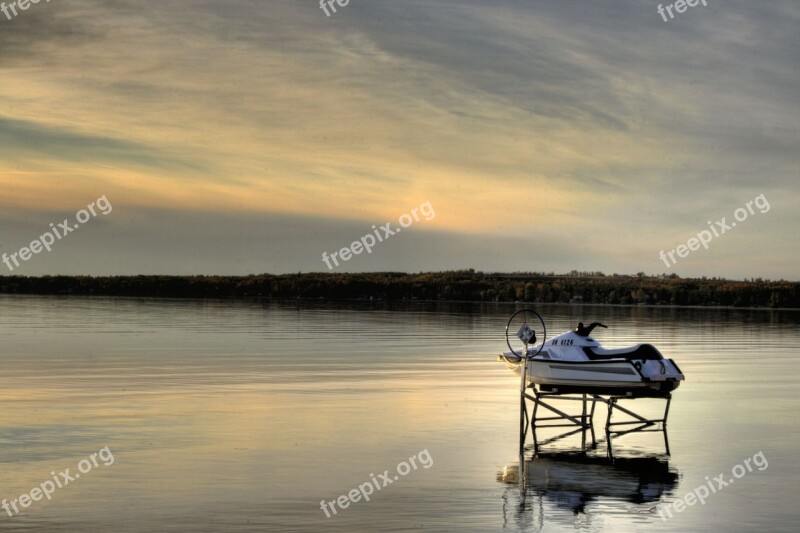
{"x":380,"y":234}
{"x":717,"y":229}
{"x":702,"y":492}
{"x":680,"y":7}
{"x":58,"y":481}
{"x":57,"y":232}
{"x":10,"y":10}
{"x":330,"y":5}
{"x":366,"y":489}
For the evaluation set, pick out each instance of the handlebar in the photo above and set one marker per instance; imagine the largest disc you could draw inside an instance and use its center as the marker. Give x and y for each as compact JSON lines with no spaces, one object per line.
{"x":585,"y":331}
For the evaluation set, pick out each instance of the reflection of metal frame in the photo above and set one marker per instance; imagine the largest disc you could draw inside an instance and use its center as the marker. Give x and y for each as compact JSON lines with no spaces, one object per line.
{"x":530,"y":419}
{"x":567,"y":479}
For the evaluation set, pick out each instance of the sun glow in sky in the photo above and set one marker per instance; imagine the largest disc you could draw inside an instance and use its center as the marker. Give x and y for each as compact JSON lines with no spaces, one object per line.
{"x":243,"y":137}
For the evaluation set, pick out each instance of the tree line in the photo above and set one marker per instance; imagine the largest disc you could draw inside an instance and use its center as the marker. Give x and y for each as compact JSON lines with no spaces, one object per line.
{"x":462,"y":285}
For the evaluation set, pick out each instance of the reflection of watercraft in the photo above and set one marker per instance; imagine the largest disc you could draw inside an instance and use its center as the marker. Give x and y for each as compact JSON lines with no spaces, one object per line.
{"x":571,"y":480}
{"x":574,"y":362}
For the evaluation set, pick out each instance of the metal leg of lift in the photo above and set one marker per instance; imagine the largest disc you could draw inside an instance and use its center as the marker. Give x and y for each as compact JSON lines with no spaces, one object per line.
{"x":638,"y":422}
{"x":530,"y":420}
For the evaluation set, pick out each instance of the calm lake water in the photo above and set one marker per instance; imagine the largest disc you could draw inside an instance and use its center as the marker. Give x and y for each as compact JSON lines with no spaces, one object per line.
{"x":243,"y":416}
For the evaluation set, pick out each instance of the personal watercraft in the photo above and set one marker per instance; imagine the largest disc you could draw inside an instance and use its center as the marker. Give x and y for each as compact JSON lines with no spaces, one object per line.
{"x":574,"y":362}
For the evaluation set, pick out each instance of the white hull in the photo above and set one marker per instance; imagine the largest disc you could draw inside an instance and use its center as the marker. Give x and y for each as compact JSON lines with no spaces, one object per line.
{"x":609,"y":376}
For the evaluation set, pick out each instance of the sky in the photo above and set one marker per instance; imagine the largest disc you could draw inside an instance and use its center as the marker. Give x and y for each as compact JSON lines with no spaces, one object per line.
{"x":246,"y":137}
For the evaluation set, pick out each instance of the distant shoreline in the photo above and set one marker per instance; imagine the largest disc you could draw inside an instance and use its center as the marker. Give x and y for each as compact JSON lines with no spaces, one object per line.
{"x":455,"y":286}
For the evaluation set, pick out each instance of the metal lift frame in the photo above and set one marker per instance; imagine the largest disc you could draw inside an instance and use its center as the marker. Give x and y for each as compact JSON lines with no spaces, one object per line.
{"x":530,"y":420}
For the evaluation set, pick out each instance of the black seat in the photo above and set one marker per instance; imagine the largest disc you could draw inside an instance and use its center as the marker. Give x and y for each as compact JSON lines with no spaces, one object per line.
{"x":643,"y":351}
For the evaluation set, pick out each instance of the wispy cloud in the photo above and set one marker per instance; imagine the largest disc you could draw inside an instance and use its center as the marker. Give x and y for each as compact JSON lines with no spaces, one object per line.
{"x":530,"y":121}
